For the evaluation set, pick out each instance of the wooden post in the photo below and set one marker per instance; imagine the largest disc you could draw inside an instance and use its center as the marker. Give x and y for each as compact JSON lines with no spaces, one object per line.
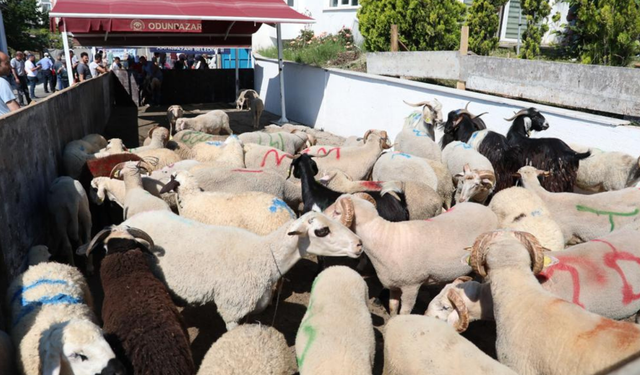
{"x":394,"y":38}
{"x":464,"y":49}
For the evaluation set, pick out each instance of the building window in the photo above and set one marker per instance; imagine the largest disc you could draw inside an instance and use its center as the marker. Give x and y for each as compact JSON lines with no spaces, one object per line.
{"x":290,"y":3}
{"x":343,"y":3}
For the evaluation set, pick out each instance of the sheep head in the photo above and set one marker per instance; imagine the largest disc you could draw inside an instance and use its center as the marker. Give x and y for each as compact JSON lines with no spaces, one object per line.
{"x":529,"y":175}
{"x":344,"y":210}
{"x":382,"y":135}
{"x":158,"y":132}
{"x":449,"y":305}
{"x":324,"y":236}
{"x":474,"y":185}
{"x":117,"y":234}
{"x":534,"y":120}
{"x":485,"y":241}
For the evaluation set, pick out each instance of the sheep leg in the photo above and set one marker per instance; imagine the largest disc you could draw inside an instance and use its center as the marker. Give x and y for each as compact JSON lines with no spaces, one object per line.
{"x":394,"y":301}
{"x":409,"y":295}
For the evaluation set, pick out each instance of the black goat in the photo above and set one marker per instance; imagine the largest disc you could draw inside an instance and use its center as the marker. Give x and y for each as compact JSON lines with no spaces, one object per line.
{"x":547,"y":154}
{"x":318,"y":197}
{"x":506,"y":160}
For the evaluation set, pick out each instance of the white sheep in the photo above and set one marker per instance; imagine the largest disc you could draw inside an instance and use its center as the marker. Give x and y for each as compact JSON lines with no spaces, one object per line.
{"x":586,"y":275}
{"x":417,"y":136}
{"x":355,"y":161}
{"x":413,"y":253}
{"x":422,"y":201}
{"x":245,"y":97}
{"x":173,"y":114}
{"x":159,"y":158}
{"x":227,"y":154}
{"x":136,"y":198}
{"x":520,"y":209}
{"x":398,"y":166}
{"x":585,"y":217}
{"x":256,"y":212}
{"x":76,"y":153}
{"x":537,"y":332}
{"x":264,"y":157}
{"x":68,"y":207}
{"x":213,"y":122}
{"x":607,"y":171}
{"x":109,"y":188}
{"x":415,"y":345}
{"x":322,"y":137}
{"x":234,"y":267}
{"x":445,"y":184}
{"x":249,"y":349}
{"x":288,"y":142}
{"x":158,"y":137}
{"x":96,"y":140}
{"x":472,"y":172}
{"x":54,"y":325}
{"x":114,"y":146}
{"x":336,"y":333}
{"x":257,"y":107}
{"x":428,"y":118}
{"x":190,"y":138}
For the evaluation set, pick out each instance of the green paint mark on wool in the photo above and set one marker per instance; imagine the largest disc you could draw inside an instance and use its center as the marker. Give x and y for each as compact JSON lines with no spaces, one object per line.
{"x":611,"y":214}
{"x":307,"y":328}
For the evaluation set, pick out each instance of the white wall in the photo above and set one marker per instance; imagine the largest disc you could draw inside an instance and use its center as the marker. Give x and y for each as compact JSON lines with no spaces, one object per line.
{"x":349,"y":103}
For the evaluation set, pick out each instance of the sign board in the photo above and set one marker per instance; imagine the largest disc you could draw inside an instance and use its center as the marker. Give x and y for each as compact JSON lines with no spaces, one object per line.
{"x":185,"y":50}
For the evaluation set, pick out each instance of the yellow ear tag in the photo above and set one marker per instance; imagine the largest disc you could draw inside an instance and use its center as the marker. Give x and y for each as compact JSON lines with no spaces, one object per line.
{"x":466,"y":260}
{"x":550,"y":261}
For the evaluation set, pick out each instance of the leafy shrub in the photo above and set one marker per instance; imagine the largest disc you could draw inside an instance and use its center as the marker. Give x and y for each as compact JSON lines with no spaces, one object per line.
{"x":483,"y":22}
{"x":535,"y":11}
{"x":423,"y":25}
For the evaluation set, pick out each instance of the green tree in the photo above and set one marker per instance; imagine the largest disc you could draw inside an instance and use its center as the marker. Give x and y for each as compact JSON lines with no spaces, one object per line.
{"x":605,"y":31}
{"x":25,"y":24}
{"x":423,"y":25}
{"x":535,"y":11}
{"x":483,"y":22}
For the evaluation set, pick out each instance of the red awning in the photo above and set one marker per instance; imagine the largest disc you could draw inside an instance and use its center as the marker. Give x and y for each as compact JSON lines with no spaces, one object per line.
{"x":169,"y":23}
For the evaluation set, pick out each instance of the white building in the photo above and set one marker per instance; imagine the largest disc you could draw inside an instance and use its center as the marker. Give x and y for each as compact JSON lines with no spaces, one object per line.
{"x":45,"y":5}
{"x":332,"y":15}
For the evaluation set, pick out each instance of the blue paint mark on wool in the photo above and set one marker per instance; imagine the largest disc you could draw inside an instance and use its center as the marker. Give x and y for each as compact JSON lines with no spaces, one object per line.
{"x":214,"y":143}
{"x":21,"y":291}
{"x":58,"y":299}
{"x":278,"y":204}
{"x":473,"y":136}
{"x":400,"y":154}
{"x":419,"y":133}
{"x":536,"y":213}
{"x":464,"y":145}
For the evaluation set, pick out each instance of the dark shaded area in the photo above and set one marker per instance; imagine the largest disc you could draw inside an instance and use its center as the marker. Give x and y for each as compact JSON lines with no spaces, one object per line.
{"x":203,"y":86}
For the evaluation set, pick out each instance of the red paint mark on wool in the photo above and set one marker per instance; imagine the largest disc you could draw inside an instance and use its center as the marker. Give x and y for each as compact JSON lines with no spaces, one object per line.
{"x":573,"y":271}
{"x":372,"y":185}
{"x":611,"y":260}
{"x":324,"y":151}
{"x":278,"y":157}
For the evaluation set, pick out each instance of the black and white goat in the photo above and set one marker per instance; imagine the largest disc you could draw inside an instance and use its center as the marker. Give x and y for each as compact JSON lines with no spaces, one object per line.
{"x":547,"y":154}
{"x":391,"y":205}
{"x":465,"y":127}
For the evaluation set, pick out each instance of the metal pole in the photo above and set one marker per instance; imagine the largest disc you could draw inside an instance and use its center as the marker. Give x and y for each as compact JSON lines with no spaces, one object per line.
{"x":283,"y":119}
{"x":3,"y":37}
{"x":519,"y":32}
{"x":237,"y":74}
{"x":67,"y":56}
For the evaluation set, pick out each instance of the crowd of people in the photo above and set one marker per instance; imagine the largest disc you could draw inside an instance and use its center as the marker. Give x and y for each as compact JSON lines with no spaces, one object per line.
{"x":24,"y":72}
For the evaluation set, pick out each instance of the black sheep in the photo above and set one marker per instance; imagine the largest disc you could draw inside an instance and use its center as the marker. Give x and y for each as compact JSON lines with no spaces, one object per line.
{"x":547,"y":154}
{"x":140,"y":320}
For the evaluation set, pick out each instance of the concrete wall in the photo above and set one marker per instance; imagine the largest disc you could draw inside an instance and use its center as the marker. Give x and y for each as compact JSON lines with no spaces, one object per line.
{"x":32,"y":140}
{"x":349,"y":103}
{"x":601,"y":88}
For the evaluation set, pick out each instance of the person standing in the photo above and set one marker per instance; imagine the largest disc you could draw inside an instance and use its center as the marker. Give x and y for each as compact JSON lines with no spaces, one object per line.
{"x":117,"y":65}
{"x":8,"y":101}
{"x":32,"y":75}
{"x":96,"y":66}
{"x":84,"y":73}
{"x":62,"y":76}
{"x":74,"y":64}
{"x":20,"y":77}
{"x":46,"y":64}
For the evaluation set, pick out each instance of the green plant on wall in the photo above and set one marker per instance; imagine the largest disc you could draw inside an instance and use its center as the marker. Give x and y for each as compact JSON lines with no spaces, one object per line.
{"x":535,"y":11}
{"x":423,"y":25}
{"x":604,"y":31}
{"x":483,"y":22}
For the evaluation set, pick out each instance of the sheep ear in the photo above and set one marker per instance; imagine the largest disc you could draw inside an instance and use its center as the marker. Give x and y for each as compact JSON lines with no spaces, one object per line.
{"x":299,"y":227}
{"x":453,"y":318}
{"x":51,"y":361}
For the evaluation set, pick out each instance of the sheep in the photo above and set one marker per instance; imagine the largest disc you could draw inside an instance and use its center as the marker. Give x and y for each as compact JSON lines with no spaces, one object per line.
{"x":173,"y":114}
{"x":424,"y":121}
{"x":561,"y":337}
{"x":96,"y":140}
{"x":213,"y":122}
{"x":412,"y":253}
{"x":114,"y":146}
{"x":238,"y":180}
{"x":322,"y":137}
{"x":115,"y":190}
{"x":445,"y":183}
{"x":607,"y":171}
{"x":352,"y":141}
{"x":227,"y":154}
{"x":68,"y":208}
{"x":398,"y":166}
{"x":245,"y":97}
{"x":234,"y":267}
{"x":520,"y":209}
{"x":190,"y":138}
{"x":586,"y":275}
{"x":585,"y":217}
{"x":159,"y":137}
{"x":76,"y":153}
{"x":159,"y":158}
{"x":288,"y":142}
{"x":336,"y":333}
{"x":139,"y":316}
{"x":547,"y":154}
{"x":472,"y":171}
{"x":422,"y":201}
{"x":249,"y":349}
{"x":53,"y":323}
{"x":257,"y":107}
{"x":263,"y":157}
{"x":256,"y":212}
{"x":136,"y":198}
{"x":354,"y":161}
{"x":416,"y":345}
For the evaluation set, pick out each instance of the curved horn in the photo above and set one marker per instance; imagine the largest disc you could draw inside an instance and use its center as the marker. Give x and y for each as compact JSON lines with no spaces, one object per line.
{"x":536,"y":251}
{"x":366,"y":197}
{"x":489,"y":175}
{"x":477,"y":258}
{"x":347,"y":212}
{"x":139,"y":233}
{"x":518,"y":114}
{"x":312,"y":139}
{"x":99,"y":238}
{"x":366,"y":135}
{"x":153,"y":128}
{"x":420,"y":104}
{"x":462,"y":279}
{"x":116,"y":171}
{"x":476,"y":116}
{"x":461,"y":308}
{"x":466,"y":107}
